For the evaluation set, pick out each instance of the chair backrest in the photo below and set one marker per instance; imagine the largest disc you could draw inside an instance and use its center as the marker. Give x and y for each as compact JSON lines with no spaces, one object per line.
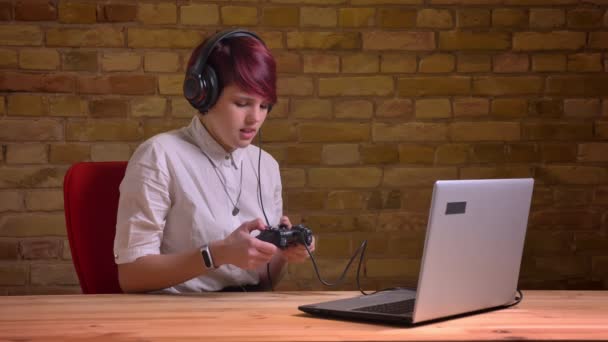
{"x":90,"y":194}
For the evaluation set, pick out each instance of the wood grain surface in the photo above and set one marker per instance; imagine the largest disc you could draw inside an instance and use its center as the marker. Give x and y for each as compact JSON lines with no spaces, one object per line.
{"x":273,"y":316}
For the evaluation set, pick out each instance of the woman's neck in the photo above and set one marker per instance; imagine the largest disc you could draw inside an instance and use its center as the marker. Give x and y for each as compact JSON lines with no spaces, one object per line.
{"x":215,"y":137}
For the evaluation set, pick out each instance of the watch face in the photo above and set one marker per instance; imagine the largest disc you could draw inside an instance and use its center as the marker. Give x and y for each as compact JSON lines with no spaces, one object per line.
{"x":207,"y":258}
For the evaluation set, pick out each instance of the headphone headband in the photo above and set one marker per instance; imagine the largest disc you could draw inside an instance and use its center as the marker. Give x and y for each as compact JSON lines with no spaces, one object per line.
{"x":201,"y":82}
{"x":212,"y":42}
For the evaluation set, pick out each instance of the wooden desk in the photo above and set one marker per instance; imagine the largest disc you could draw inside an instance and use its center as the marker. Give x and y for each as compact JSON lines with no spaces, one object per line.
{"x":543,"y":315}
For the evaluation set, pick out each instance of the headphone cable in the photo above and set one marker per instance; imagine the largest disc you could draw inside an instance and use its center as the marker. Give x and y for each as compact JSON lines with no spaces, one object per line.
{"x":262,"y":200}
{"x":260,"y":176}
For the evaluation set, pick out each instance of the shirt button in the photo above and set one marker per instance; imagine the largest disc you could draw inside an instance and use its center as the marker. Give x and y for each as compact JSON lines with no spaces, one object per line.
{"x":115,"y":256}
{"x":227,"y":157}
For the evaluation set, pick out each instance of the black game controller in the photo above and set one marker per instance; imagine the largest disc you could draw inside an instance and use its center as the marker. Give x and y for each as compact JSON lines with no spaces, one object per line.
{"x":284,"y":237}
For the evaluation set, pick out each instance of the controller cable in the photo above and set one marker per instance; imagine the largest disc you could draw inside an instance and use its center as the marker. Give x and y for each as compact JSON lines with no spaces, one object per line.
{"x":517,"y":300}
{"x":340,"y":280}
{"x":361,"y":249}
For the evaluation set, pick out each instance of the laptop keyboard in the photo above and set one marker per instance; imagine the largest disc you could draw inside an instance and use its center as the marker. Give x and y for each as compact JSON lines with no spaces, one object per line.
{"x":400,"y":307}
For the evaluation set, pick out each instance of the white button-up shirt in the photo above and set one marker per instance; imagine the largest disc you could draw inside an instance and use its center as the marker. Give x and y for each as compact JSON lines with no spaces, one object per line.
{"x":172,"y":200}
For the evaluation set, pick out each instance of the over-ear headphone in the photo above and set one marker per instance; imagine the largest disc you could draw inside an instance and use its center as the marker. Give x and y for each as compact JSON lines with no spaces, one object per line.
{"x":201,"y":85}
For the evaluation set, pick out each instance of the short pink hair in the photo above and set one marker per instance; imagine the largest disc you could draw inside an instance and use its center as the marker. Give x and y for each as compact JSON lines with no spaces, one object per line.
{"x":247,"y":63}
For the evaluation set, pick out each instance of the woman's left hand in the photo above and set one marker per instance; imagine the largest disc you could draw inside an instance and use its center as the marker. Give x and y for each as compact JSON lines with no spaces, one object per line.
{"x":297,"y":253}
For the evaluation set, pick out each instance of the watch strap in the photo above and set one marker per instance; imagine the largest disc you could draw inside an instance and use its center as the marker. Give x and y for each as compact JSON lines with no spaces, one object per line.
{"x":207,"y":257}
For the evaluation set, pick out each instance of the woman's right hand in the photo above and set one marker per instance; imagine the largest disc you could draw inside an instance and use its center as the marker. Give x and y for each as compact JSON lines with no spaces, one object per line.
{"x":243,"y":250}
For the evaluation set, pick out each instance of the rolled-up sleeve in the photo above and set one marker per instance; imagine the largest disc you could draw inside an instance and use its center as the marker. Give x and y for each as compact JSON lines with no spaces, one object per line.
{"x":143,"y":206}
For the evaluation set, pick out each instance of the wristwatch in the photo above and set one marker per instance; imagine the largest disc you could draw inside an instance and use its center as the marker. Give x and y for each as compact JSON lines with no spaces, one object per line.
{"x":207,"y":258}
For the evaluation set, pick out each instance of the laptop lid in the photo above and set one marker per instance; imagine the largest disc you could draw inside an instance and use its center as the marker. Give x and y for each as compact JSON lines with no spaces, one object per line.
{"x":473,"y":246}
{"x":472,"y":254}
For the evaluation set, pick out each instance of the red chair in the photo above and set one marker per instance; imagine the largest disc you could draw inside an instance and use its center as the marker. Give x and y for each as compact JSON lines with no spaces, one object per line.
{"x":90,"y":194}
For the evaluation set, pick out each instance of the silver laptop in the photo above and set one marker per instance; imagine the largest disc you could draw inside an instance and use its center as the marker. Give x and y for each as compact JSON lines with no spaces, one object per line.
{"x":471,"y":260}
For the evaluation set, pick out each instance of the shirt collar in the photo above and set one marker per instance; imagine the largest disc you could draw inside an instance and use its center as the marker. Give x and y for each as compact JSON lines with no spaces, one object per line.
{"x":209,"y":146}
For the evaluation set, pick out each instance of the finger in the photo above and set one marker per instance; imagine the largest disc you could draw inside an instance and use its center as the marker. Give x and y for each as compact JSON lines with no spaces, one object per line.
{"x":311,"y":247}
{"x":296,"y":258}
{"x":264,"y":247}
{"x":293,"y":257}
{"x":256,"y":259}
{"x":256,"y":224}
{"x":260,"y":258}
{"x":285,"y":220}
{"x":298,"y":252}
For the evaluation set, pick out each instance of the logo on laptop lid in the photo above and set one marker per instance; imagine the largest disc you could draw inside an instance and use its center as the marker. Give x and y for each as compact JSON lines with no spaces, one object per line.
{"x":453,"y":208}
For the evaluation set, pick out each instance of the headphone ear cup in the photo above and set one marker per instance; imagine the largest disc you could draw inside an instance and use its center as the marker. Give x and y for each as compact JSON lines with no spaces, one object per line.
{"x":192,"y":88}
{"x":210,"y":89}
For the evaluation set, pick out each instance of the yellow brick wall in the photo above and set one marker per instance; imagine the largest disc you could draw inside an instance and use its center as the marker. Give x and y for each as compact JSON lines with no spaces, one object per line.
{"x":377,"y":99}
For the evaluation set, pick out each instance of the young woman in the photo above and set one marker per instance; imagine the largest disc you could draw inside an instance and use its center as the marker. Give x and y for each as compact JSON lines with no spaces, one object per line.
{"x":192,"y":197}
